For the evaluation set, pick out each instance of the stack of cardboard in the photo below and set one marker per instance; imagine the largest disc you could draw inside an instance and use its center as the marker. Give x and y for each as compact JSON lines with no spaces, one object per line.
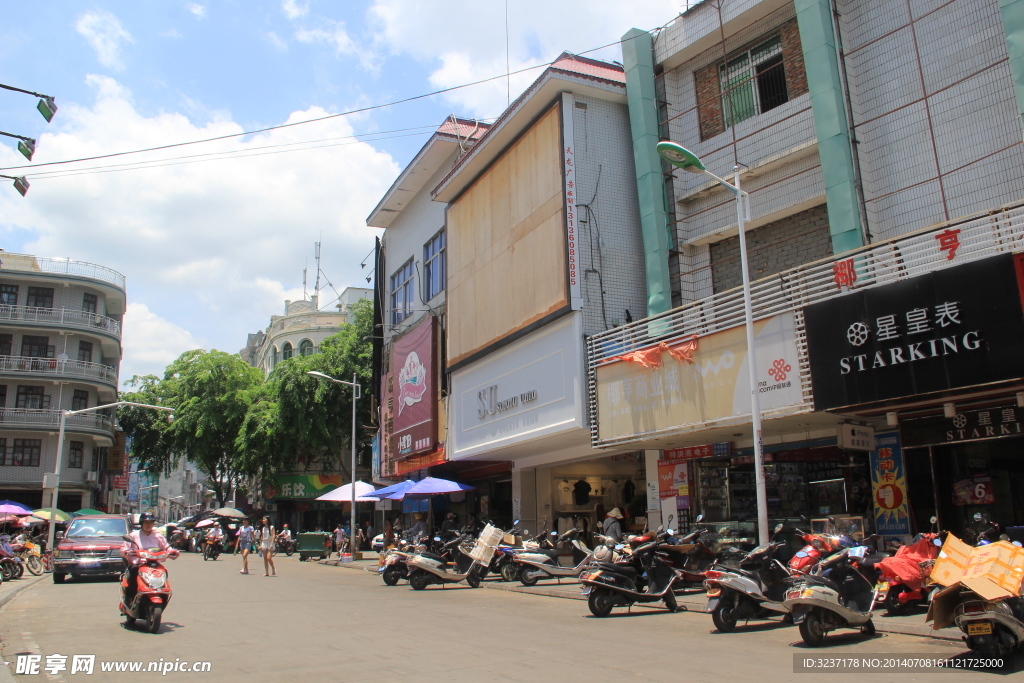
{"x":993,"y":571}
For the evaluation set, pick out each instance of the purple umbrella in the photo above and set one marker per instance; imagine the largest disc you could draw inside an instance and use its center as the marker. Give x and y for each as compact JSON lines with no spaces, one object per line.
{"x":9,"y":507}
{"x":393,"y":492}
{"x":431,"y":486}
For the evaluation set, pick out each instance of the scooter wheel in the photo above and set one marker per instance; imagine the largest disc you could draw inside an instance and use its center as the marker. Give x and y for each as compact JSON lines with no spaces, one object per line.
{"x":418,"y":580}
{"x":723,"y":617}
{"x":391,"y":576}
{"x":509,"y":571}
{"x":35,"y":565}
{"x":868,"y":629}
{"x":19,"y":570}
{"x":473,"y":578}
{"x":289,"y":552}
{"x":893,"y":606}
{"x":600,"y":603}
{"x":530,"y":577}
{"x":812,"y":630}
{"x":153,"y":619}
{"x":670,"y":602}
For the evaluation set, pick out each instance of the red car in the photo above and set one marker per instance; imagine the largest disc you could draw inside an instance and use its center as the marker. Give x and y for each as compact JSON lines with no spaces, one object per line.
{"x":91,"y":547}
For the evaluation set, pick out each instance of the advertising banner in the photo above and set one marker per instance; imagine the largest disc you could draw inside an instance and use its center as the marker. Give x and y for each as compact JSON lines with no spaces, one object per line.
{"x":889,"y":486}
{"x":999,"y":422}
{"x":303,"y":485}
{"x":674,"y":481}
{"x":668,"y":391}
{"x":976,"y":490}
{"x":116,"y":453}
{"x":414,"y":418}
{"x":947,"y":329}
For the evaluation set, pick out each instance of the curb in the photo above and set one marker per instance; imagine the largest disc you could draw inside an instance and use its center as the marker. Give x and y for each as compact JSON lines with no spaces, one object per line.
{"x":6,"y":676}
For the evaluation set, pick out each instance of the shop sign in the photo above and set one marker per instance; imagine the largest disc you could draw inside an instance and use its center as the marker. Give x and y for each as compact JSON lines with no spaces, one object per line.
{"x":855,"y":437}
{"x":571,"y":202}
{"x":419,"y":462}
{"x":120,"y":482}
{"x":116,"y":453}
{"x":976,"y":490}
{"x":950,"y":328}
{"x":414,"y":416}
{"x":712,"y":450}
{"x":972,"y":425}
{"x":674,"y":480}
{"x":889,"y":486}
{"x":673,"y":391}
{"x":292,"y":486}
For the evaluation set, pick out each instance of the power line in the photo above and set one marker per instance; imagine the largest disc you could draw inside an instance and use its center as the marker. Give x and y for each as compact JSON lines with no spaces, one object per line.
{"x":300,"y":123}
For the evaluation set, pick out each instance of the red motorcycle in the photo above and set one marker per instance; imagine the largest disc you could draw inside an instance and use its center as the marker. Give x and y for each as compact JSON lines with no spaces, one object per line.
{"x":153,"y":587}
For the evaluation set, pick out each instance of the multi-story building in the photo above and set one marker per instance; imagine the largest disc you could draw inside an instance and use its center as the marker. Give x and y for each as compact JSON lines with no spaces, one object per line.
{"x":880,"y":144}
{"x":300,"y":330}
{"x":60,"y":349}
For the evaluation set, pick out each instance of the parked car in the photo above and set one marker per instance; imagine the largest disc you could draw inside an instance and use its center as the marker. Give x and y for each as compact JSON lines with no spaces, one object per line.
{"x":91,"y":547}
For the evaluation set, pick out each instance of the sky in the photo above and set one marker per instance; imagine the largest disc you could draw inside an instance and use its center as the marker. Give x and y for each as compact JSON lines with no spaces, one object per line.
{"x":214,"y":237}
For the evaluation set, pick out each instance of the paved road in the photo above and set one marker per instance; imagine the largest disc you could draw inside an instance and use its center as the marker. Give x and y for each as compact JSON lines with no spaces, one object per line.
{"x":318,"y":621}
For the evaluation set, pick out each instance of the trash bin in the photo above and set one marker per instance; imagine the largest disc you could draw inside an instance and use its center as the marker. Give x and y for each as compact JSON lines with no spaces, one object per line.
{"x":311,"y":544}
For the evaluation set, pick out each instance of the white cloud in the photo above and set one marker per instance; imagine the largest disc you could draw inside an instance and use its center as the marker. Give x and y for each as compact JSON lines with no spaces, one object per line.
{"x":198,"y":10}
{"x":104,"y":33}
{"x":538,"y":31}
{"x":151,"y":343}
{"x":332,"y":33}
{"x":294,"y":9}
{"x":276,"y":41}
{"x":213,"y":248}
{"x":170,"y":33}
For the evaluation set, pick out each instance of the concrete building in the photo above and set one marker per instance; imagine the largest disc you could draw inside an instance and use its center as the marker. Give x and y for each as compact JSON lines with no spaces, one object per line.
{"x":300,"y":330}
{"x":60,"y":349}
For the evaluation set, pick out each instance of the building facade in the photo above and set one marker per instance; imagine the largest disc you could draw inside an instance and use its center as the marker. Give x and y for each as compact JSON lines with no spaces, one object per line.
{"x":60,"y":350}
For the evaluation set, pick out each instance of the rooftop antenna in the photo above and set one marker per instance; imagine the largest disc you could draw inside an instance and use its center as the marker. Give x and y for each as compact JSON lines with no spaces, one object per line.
{"x":304,"y":281}
{"x":316,"y":289}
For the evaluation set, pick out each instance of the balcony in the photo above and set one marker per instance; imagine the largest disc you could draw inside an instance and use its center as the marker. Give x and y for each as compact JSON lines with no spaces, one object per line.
{"x":37,"y":264}
{"x":62,"y":317}
{"x":49,"y":420}
{"x":77,"y":369}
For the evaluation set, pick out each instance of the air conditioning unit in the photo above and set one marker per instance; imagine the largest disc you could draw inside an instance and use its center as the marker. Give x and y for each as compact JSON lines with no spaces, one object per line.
{"x":92,"y":476}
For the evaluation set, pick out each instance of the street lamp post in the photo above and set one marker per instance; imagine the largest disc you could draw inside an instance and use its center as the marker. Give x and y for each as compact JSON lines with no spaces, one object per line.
{"x":357,"y":392}
{"x":60,"y":455}
{"x":679,"y":156}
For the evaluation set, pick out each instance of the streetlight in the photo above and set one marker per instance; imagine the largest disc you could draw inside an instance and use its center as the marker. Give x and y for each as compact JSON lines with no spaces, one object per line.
{"x":357,"y":392}
{"x":60,"y":454}
{"x":679,"y":156}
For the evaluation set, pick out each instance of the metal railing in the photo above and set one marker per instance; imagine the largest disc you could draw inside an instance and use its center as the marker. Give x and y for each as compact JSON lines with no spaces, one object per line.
{"x":998,"y":231}
{"x":30,"y":417}
{"x":61,"y":316}
{"x":53,"y":366}
{"x":42,"y":264}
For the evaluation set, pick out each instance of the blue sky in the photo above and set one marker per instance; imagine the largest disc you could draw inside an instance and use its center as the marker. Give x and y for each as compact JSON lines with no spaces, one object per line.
{"x":212,"y":248}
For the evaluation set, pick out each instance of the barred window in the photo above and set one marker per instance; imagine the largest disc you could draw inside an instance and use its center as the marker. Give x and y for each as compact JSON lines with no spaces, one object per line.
{"x":76,"y":454}
{"x":25,"y":453}
{"x":753,"y":82}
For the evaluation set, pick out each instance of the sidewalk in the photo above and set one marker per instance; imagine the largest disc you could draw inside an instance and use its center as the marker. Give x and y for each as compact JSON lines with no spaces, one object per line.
{"x":691,"y":600}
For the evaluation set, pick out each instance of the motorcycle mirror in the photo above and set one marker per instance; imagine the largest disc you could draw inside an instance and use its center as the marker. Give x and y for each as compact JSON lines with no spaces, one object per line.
{"x":670,"y":518}
{"x":670,"y":532}
{"x":128,"y":538}
{"x":699,"y":518}
{"x":778,"y":527}
{"x":937,"y":542}
{"x":978,"y":517}
{"x":515,"y":523}
{"x":554,"y":533}
{"x":933,"y":519}
{"x":1018,"y":544}
{"x":661,"y":528}
{"x":619,"y":546}
{"x":437,"y":538}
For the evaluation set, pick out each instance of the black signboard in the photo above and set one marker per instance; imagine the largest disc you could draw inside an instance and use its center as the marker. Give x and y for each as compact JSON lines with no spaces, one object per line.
{"x":1000,"y":422}
{"x":957,"y":327}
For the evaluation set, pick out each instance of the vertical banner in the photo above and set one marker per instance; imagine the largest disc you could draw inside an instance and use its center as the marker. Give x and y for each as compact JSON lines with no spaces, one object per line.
{"x":414,"y":416}
{"x":571,"y":219}
{"x":674,"y":481}
{"x":889,"y":486}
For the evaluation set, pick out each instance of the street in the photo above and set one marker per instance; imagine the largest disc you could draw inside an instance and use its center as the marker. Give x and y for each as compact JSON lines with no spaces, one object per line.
{"x":320,"y":621}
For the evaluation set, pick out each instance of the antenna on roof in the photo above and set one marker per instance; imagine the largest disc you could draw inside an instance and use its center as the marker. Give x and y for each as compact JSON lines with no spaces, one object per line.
{"x":304,"y":281}
{"x":316,"y":290}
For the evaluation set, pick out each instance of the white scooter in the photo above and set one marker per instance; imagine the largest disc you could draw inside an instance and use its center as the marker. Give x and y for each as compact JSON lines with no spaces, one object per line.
{"x":536,"y":566}
{"x":470,"y":564}
{"x":842,"y":600}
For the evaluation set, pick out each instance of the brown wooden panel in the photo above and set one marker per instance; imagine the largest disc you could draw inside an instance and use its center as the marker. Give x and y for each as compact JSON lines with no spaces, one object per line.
{"x":506,"y":243}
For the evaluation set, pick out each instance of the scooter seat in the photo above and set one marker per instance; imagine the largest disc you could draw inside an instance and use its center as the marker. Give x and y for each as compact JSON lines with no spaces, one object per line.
{"x":624,"y":569}
{"x":432,"y":556}
{"x":822,"y":581}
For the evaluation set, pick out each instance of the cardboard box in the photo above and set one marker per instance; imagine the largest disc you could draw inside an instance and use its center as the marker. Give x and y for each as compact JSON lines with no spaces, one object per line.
{"x":993,"y":571}
{"x":951,"y":562}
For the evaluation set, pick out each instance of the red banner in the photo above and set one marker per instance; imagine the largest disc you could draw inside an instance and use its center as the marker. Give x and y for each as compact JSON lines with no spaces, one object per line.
{"x":976,"y":490}
{"x":419,"y":462}
{"x":414,"y":416}
{"x":674,"y":480}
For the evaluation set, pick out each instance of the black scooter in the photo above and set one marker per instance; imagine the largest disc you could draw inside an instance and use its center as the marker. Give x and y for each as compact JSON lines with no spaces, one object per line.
{"x":646,"y":576}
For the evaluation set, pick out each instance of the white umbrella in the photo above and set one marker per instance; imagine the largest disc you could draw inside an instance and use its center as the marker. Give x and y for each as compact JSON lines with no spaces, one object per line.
{"x":343,"y":494}
{"x":206,"y":522}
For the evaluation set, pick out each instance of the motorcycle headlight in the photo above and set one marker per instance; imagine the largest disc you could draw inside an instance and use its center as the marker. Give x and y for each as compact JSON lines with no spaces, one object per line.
{"x":155,"y":581}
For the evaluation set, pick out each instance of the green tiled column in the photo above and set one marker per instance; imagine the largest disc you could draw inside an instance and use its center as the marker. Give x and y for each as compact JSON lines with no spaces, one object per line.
{"x":638,"y":61}
{"x":814,"y":17}
{"x":1013,"y":27}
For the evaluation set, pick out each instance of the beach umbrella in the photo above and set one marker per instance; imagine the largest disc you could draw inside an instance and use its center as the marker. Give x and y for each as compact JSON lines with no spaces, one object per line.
{"x":206,"y":522}
{"x":86,"y":511}
{"x":393,"y":492}
{"x":229,"y":512}
{"x":343,"y":494}
{"x":432,"y":486}
{"x":9,"y":507}
{"x":45,"y":514}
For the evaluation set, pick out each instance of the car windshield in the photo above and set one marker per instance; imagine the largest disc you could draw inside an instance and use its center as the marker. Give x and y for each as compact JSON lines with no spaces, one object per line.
{"x":97,"y":527}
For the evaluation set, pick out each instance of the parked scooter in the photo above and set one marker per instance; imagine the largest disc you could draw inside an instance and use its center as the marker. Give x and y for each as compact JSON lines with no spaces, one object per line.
{"x":11,"y":566}
{"x":837,"y":594}
{"x":505,"y":556}
{"x":756,"y":589}
{"x":904,"y":576}
{"x":645,"y":576}
{"x":29,"y":551}
{"x":536,"y":566}
{"x":426,"y":568}
{"x":394,"y":563}
{"x":153,"y":591}
{"x":692,"y":554}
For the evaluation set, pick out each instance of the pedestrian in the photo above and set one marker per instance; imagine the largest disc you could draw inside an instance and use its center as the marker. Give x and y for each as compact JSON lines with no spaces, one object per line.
{"x":612,"y":526}
{"x":267,"y":546}
{"x":245,"y":539}
{"x":367,"y":535}
{"x":389,"y":535}
{"x":340,"y":538}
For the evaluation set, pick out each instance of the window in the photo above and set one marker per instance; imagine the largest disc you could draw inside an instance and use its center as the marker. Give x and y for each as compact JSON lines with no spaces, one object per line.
{"x":40,"y":297}
{"x":9,"y":295}
{"x":32,"y":398}
{"x":6,"y":342}
{"x":25,"y":453}
{"x":36,"y":347}
{"x":401,"y":293}
{"x":99,"y":458}
{"x":80,"y":400}
{"x":753,"y":82}
{"x":76,"y":454}
{"x":287,"y":351}
{"x":85,"y":351}
{"x":89,"y":302}
{"x":3,"y":395}
{"x":434,"y":265}
{"x":305,"y":348}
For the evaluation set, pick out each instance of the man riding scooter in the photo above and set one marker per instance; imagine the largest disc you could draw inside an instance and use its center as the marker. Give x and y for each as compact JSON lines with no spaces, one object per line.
{"x":212,"y":542}
{"x":146,"y":537}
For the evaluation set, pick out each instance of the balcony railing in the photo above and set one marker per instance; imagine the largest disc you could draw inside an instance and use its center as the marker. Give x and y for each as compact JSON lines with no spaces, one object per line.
{"x":42,"y":419}
{"x":53,"y":366}
{"x":998,"y":231}
{"x":61,"y":317}
{"x":40,"y":264}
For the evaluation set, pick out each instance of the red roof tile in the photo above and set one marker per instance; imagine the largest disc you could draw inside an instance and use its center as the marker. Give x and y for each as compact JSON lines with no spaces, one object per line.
{"x":589,"y":67}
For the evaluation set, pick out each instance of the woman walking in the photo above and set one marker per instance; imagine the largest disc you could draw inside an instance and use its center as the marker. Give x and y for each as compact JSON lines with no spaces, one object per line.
{"x":245,"y":541}
{"x":267,"y":547}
